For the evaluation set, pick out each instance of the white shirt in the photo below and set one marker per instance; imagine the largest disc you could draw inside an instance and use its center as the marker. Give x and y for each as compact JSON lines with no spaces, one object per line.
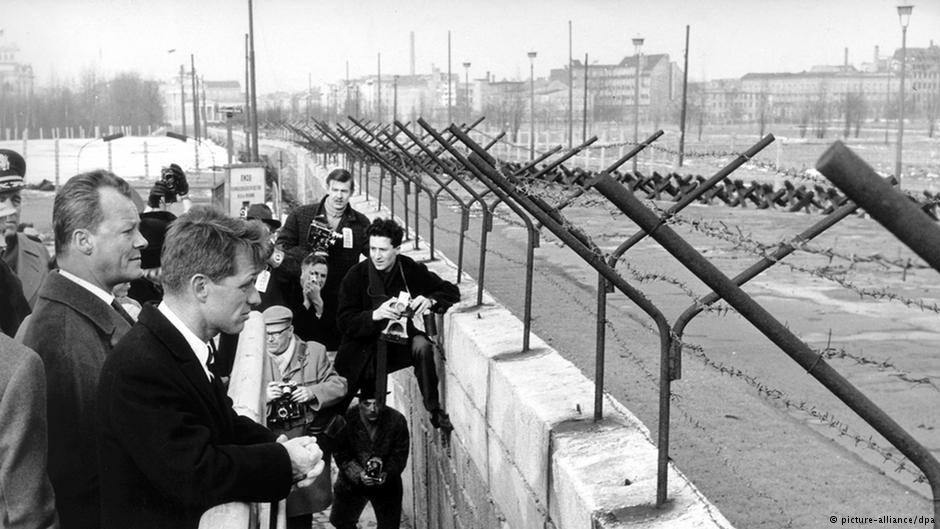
{"x":199,"y":347}
{"x":99,"y":292}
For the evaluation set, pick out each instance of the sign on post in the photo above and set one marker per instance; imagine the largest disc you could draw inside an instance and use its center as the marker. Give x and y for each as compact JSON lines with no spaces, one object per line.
{"x":244,"y":186}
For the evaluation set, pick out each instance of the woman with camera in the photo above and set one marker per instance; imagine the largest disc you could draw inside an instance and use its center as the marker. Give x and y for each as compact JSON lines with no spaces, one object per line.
{"x":299,"y":381}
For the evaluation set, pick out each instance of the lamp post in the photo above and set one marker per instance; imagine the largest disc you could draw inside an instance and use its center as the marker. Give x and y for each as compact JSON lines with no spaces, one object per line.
{"x":904,"y":16}
{"x":532,"y":55}
{"x":466,"y":82}
{"x":637,"y":44}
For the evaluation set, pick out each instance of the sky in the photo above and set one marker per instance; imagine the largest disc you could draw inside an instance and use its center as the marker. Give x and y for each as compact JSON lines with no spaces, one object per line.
{"x":297,"y":41}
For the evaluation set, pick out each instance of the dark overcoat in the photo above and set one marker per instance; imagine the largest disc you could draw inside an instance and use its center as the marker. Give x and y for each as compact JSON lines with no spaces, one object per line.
{"x":357,"y":301}
{"x":292,"y":239}
{"x":170,"y":445}
{"x":32,"y":266}
{"x":73,"y":332}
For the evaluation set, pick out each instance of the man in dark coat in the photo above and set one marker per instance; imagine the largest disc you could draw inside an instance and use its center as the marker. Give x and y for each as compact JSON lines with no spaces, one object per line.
{"x":13,"y":305}
{"x":74,"y":326}
{"x":25,"y":254}
{"x":170,"y":444}
{"x":350,"y":241}
{"x":371,"y":456}
{"x":369,"y":300}
{"x":28,"y":501}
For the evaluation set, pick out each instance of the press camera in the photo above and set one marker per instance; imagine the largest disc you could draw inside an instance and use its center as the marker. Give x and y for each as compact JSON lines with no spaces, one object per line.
{"x":397,"y":329}
{"x":320,"y":237}
{"x":374,"y":468}
{"x":283,"y":409}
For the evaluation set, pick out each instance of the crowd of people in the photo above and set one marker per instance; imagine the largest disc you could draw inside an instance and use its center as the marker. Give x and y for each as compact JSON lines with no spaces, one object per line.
{"x":116,"y":352}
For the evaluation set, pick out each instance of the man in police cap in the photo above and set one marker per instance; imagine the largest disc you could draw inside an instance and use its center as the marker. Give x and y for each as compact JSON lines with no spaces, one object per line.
{"x":25,"y":256}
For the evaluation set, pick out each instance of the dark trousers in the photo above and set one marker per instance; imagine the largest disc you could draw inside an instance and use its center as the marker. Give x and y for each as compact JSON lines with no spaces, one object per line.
{"x":418,"y":353}
{"x":349,"y":500}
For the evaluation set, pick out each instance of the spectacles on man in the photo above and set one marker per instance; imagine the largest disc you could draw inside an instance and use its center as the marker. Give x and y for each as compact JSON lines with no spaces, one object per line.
{"x":273,"y":335}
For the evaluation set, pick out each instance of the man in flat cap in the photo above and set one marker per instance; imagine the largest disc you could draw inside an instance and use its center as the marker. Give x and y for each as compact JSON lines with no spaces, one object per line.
{"x":26,"y":256}
{"x":300,"y":381}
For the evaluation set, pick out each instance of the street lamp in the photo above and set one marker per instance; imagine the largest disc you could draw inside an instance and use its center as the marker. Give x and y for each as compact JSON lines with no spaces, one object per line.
{"x":466,"y":82}
{"x":904,"y":16}
{"x":637,"y":44}
{"x":532,"y":105}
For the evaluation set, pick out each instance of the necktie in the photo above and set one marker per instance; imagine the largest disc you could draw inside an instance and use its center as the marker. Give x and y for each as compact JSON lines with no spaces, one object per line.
{"x":120,"y":310}
{"x":210,"y":360}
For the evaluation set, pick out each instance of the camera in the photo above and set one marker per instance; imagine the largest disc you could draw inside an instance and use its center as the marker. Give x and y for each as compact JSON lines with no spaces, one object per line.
{"x":397,"y":330}
{"x":374,"y":468}
{"x":320,"y":237}
{"x":174,"y":182}
{"x":284,"y":410}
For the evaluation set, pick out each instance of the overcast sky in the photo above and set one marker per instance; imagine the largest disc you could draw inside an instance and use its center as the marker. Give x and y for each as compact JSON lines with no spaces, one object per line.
{"x":294,"y":38}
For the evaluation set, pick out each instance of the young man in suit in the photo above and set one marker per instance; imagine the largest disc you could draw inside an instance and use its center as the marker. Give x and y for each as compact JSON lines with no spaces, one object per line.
{"x":76,"y":323}
{"x":169,"y":442}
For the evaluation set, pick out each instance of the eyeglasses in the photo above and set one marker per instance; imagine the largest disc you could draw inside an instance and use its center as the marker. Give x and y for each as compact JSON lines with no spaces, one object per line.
{"x":273,"y":335}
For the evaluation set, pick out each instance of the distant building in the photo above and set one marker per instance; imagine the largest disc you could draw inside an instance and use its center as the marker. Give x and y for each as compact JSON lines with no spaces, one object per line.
{"x":611,"y":87}
{"x":16,"y":82}
{"x":829,"y":92}
{"x":213,"y":95}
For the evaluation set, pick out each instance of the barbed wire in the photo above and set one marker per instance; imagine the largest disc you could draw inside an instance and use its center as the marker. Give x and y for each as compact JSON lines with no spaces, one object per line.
{"x":737,"y":238}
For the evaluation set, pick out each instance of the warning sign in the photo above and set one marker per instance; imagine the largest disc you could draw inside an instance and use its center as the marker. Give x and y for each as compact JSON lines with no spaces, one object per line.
{"x":245,"y":187}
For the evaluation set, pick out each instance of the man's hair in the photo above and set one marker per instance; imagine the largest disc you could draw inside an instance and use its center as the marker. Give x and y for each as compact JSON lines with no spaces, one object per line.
{"x":342,"y":176}
{"x":206,"y":241}
{"x":313,"y":258}
{"x":77,"y":204}
{"x":386,"y":228}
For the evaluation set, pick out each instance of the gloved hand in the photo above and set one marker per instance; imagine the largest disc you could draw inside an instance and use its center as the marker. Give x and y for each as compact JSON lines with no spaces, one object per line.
{"x":158,"y":192}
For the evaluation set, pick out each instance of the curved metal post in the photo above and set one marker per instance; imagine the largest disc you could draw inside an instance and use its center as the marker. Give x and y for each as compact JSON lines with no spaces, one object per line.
{"x":487,"y":221}
{"x":465,"y":211}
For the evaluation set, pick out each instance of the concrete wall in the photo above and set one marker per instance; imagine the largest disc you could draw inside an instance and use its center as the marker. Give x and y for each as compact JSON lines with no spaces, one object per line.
{"x":525,"y":452}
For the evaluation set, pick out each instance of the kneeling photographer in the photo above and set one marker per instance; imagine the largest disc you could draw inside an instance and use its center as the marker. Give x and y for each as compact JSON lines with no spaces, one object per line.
{"x":299,"y":382}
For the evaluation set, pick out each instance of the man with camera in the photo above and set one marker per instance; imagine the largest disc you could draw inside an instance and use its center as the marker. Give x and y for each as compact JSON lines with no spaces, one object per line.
{"x":377,"y":301}
{"x":371,"y":457}
{"x":331,"y":226}
{"x":299,"y":381}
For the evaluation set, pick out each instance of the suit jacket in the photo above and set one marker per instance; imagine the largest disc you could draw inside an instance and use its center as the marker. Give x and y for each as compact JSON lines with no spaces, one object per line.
{"x":356,"y":446}
{"x":73,"y":332}
{"x":357,"y":300}
{"x":27,"y":498}
{"x":293,"y":238}
{"x":32,"y":266}
{"x":170,"y":445}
